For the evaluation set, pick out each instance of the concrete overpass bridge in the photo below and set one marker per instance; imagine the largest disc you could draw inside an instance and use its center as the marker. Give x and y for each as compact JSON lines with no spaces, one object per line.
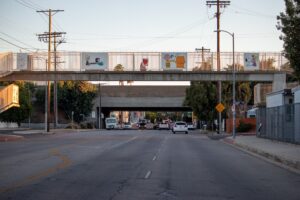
{"x":142,"y":98}
{"x":144,"y":66}
{"x":278,"y":78}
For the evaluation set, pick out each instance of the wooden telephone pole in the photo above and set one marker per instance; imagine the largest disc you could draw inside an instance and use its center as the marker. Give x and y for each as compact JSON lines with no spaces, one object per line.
{"x":203,"y":50}
{"x":46,"y":37}
{"x":219,"y":4}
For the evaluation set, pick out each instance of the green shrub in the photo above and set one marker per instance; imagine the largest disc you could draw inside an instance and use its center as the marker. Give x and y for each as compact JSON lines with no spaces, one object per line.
{"x":74,"y":126}
{"x":87,"y":125}
{"x":244,"y":127}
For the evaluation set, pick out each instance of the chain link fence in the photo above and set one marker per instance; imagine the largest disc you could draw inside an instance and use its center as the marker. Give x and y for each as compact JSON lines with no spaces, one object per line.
{"x":280,"y":123}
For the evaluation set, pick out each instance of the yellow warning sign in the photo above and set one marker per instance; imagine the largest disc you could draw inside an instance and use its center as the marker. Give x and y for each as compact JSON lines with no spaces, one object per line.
{"x":220,"y":107}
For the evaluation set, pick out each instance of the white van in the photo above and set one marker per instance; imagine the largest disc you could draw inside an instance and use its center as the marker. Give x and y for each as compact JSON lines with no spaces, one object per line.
{"x":111,"y":123}
{"x":252,"y":113}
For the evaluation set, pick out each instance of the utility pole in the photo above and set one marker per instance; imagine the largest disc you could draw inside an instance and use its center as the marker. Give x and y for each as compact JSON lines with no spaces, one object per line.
{"x":56,"y":43}
{"x":203,"y":50}
{"x":219,"y":4}
{"x":46,"y":37}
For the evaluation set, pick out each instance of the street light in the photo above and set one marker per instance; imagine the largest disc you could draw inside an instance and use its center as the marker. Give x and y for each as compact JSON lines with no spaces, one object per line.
{"x":233,"y":80}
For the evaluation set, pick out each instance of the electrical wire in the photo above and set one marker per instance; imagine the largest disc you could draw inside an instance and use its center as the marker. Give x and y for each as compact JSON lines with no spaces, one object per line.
{"x":34,"y":6}
{"x":238,"y":9}
{"x":26,"y":49}
{"x":18,"y":40}
{"x":170,"y":35}
{"x":27,"y":5}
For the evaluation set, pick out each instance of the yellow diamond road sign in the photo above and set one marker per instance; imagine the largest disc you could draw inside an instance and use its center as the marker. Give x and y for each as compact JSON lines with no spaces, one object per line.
{"x":220,"y":107}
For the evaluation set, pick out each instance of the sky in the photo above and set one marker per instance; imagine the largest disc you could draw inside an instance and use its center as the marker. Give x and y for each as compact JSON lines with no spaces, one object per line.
{"x":141,"y":25}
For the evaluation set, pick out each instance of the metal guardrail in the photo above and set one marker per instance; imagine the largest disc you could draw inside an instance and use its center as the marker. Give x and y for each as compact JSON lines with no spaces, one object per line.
{"x":140,"y":61}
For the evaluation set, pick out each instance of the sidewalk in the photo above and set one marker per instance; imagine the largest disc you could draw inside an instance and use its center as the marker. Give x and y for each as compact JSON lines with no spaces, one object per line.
{"x":15,"y":134}
{"x":284,"y":154}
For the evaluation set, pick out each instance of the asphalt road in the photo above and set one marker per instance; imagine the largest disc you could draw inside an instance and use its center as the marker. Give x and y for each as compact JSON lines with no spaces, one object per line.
{"x":129,"y":165}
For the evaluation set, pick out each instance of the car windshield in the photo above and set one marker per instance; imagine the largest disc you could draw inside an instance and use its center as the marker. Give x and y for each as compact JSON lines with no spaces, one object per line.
{"x":180,"y":123}
{"x":110,"y":120}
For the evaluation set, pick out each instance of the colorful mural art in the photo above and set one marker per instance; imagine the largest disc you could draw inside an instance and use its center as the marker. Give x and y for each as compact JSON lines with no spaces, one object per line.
{"x":94,"y":61}
{"x":174,"y":61}
{"x":251,"y":61}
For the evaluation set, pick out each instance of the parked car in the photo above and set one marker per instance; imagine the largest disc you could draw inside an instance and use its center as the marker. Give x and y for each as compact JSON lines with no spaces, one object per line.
{"x":180,"y":127}
{"x":149,"y":126}
{"x":142,"y":123}
{"x":127,"y":125}
{"x":191,"y":126}
{"x":163,"y":126}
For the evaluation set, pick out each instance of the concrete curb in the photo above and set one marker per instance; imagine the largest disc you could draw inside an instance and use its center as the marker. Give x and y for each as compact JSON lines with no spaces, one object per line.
{"x":10,"y":138}
{"x":291,"y":165}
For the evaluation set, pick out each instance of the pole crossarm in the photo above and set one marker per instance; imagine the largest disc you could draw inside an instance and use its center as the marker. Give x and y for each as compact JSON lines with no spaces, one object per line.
{"x":53,"y":12}
{"x":221,"y":3}
{"x":45,"y":36}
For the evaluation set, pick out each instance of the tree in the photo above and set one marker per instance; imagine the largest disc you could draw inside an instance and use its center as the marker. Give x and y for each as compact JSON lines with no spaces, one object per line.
{"x":202,"y":98}
{"x":267,"y":64}
{"x":77,"y":97}
{"x":289,"y":24}
{"x":243,"y":97}
{"x":152,"y":116}
{"x":19,"y":114}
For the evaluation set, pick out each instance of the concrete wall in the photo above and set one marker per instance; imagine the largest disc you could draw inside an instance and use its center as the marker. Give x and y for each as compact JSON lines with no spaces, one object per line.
{"x":274,"y":100}
{"x":251,"y":121}
{"x":8,"y":125}
{"x":142,"y":96}
{"x":296,"y":92}
{"x":142,"y":102}
{"x":279,"y":98}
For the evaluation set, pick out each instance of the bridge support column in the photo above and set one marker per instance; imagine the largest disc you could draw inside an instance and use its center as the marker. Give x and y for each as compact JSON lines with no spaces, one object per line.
{"x":279,"y":82}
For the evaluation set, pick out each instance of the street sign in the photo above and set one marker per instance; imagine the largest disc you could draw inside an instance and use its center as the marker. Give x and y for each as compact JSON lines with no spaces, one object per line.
{"x":220,"y":107}
{"x":232,"y":108}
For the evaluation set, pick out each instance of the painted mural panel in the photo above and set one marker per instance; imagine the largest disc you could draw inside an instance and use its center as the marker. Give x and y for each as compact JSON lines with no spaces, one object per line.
{"x":251,"y":61}
{"x":94,"y":61}
{"x":174,"y":61}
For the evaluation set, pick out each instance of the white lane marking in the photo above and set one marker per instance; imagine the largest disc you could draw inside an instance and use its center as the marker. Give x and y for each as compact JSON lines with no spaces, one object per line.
{"x":148,"y":174}
{"x":154,"y":158}
{"x":121,"y":143}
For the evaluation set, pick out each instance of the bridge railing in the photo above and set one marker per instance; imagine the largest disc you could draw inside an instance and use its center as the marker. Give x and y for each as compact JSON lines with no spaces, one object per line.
{"x":143,"y":61}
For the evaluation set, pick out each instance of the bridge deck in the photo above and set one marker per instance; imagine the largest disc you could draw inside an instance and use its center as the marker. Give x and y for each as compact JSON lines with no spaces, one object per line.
{"x":265,"y":76}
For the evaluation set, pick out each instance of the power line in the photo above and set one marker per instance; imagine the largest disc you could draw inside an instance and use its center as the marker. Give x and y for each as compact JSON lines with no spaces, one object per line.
{"x":18,"y":40}
{"x":27,"y":5}
{"x":34,"y":4}
{"x":170,"y":35}
{"x":26,"y":49}
{"x":31,"y":5}
{"x":252,"y":12}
